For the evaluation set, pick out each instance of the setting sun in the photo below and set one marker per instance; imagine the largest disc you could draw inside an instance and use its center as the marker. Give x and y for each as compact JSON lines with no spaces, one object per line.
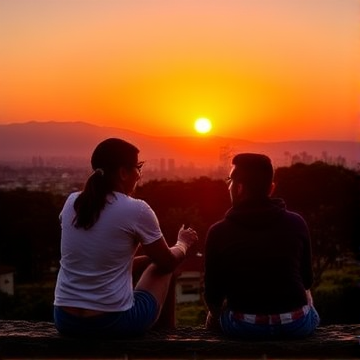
{"x":203,"y":125}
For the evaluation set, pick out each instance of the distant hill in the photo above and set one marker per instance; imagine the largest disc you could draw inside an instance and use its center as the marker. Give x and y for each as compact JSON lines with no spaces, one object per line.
{"x":76,"y":140}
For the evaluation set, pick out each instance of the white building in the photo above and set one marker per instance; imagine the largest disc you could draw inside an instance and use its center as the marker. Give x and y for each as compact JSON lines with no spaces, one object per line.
{"x":188,"y":287}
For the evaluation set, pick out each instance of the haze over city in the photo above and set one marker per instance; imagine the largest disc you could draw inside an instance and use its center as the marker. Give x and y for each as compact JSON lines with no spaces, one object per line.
{"x":259,"y":70}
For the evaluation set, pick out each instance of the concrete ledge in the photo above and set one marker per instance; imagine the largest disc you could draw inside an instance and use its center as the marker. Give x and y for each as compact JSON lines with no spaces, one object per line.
{"x":25,"y":339}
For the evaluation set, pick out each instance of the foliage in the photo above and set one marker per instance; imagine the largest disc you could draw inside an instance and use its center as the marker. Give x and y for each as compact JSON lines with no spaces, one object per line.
{"x":328,"y":197}
{"x":30,"y":302}
{"x":199,"y":203}
{"x":190,"y":314}
{"x":29,"y":232}
{"x":337,"y":297}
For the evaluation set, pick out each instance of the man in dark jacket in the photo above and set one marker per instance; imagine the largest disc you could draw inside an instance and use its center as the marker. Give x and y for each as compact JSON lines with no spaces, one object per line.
{"x":258,"y":270}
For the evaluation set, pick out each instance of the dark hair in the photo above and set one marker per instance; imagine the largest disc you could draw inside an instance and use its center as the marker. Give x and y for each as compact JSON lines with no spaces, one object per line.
{"x":255,"y":172}
{"x":108,"y":156}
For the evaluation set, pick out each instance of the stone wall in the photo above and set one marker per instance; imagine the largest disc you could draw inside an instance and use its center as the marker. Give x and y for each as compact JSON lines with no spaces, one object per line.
{"x":25,"y":339}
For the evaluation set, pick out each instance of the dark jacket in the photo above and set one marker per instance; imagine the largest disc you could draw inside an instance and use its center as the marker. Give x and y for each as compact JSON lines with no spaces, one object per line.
{"x":258,"y":258}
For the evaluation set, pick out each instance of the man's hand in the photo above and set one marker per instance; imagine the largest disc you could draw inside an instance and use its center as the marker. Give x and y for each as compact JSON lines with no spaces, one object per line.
{"x":309,"y":298}
{"x":212,"y":323}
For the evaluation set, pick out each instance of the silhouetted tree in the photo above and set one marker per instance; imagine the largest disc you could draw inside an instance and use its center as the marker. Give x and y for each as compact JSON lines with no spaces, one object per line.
{"x":199,"y":202}
{"x":328,"y":196}
{"x":29,"y":231}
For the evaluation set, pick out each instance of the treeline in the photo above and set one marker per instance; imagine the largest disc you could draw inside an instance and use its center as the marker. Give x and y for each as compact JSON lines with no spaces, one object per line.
{"x":328,"y":197}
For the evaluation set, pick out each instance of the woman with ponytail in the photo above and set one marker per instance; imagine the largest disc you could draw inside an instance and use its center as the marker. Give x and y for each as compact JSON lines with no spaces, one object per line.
{"x":102,"y":228}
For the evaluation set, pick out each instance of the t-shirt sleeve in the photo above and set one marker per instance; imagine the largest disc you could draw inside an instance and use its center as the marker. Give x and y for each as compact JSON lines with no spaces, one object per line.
{"x":148,"y":227}
{"x":68,"y":206}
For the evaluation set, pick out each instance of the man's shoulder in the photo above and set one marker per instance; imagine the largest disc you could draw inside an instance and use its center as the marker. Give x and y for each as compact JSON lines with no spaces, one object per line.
{"x":294,"y":216}
{"x":217,"y":230}
{"x":220,"y":224}
{"x":295,"y":221}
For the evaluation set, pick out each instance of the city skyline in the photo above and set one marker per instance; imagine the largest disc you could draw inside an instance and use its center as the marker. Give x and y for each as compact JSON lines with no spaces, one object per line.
{"x":59,"y":143}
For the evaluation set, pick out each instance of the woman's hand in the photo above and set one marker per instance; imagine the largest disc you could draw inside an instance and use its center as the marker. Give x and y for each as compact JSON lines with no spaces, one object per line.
{"x":169,"y":258}
{"x":186,"y":239}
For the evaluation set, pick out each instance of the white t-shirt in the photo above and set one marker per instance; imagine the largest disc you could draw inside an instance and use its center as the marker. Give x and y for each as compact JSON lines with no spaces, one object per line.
{"x":96,"y":264}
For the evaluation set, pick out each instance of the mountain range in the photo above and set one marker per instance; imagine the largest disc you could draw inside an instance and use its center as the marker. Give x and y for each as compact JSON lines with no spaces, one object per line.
{"x":76,"y":140}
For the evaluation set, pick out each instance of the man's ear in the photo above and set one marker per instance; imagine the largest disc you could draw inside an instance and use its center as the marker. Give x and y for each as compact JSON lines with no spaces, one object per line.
{"x":239,"y":189}
{"x":272,"y":188}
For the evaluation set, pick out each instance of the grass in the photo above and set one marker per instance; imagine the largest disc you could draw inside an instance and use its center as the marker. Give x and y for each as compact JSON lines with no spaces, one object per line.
{"x":336,"y":299}
{"x":190,"y":314}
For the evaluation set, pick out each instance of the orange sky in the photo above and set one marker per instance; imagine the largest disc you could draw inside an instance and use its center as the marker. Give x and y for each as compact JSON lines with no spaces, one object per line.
{"x":263,"y":70}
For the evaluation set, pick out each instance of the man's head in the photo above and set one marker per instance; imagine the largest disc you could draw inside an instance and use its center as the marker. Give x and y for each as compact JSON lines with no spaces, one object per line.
{"x":251,"y":177}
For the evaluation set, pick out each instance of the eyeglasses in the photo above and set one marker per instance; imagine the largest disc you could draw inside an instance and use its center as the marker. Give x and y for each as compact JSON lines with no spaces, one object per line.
{"x":139,"y":165}
{"x":229,"y":180}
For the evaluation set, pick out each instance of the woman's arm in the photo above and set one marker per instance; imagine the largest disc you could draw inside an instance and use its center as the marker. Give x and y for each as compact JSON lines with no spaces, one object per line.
{"x":168,"y":258}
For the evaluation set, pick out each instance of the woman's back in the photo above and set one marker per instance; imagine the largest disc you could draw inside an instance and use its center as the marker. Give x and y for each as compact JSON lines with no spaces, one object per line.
{"x":96,"y":263}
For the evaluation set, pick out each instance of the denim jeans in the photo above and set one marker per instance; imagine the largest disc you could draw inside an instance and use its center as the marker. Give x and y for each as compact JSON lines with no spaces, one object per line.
{"x":299,"y":328}
{"x":133,"y":322}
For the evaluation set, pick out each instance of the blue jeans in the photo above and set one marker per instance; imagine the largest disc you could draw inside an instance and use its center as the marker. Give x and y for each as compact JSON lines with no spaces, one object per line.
{"x":133,"y":322}
{"x":299,"y":328}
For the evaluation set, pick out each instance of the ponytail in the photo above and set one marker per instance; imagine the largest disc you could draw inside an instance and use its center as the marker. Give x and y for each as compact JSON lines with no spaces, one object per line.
{"x":91,"y":200}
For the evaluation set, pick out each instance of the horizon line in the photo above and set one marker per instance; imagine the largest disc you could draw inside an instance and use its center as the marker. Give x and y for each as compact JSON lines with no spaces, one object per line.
{"x":207,"y":136}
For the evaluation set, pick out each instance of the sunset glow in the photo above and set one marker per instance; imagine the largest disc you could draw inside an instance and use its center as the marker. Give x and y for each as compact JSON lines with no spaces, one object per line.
{"x":261,"y":70}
